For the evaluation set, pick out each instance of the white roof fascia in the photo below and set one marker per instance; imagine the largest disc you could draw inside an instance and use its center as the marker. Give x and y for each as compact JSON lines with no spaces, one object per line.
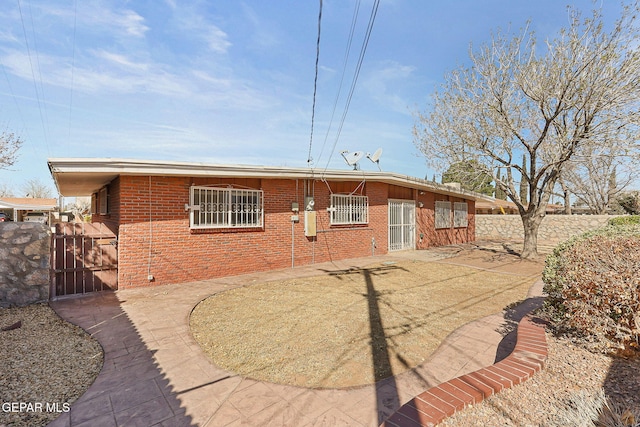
{"x":7,"y":205}
{"x":115,"y":167}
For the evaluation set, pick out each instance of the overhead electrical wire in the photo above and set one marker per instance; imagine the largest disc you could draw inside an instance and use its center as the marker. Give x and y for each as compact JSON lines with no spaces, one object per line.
{"x":315,"y":84}
{"x":15,"y":100}
{"x":39,"y":69}
{"x":33,"y":75}
{"x":363,"y":50}
{"x":344,"y":71}
{"x":73,"y":65}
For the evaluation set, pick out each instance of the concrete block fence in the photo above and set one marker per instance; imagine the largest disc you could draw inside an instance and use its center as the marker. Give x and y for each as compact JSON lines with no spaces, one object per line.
{"x":554,"y":228}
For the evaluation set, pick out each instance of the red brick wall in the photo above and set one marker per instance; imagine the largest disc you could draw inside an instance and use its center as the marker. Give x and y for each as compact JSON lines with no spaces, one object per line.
{"x":428,"y":236}
{"x":112,"y":218}
{"x":155,"y":238}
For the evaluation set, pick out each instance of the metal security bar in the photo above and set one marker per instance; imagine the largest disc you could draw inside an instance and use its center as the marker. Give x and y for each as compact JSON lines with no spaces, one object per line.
{"x":226,"y":208}
{"x":349,"y":209}
{"x":460,"y":214}
{"x":402,"y":224}
{"x":443,"y":214}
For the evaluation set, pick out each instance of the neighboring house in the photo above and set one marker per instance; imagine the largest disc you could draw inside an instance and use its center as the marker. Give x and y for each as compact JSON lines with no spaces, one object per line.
{"x":178,"y":222}
{"x":492,"y":206}
{"x":18,"y":209}
{"x":496,"y":207}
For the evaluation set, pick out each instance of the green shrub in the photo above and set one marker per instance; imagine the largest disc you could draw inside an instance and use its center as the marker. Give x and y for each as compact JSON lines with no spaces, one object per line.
{"x":593,"y":283}
{"x":625,"y":220}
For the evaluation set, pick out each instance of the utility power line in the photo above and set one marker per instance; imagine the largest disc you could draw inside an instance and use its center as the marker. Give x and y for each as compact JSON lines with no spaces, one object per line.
{"x":363,"y":50}
{"x":315,"y":84}
{"x":354,"y":20}
{"x":33,"y":75}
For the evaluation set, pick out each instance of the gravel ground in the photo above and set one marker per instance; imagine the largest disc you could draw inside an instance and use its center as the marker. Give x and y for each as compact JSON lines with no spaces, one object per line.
{"x":45,"y":365}
{"x":568,"y":392}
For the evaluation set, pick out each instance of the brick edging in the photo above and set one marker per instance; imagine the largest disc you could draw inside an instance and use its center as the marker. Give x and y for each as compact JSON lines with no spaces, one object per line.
{"x":441,"y":401}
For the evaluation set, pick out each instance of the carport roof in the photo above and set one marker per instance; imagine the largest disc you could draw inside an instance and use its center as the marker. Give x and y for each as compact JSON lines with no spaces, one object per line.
{"x":85,"y":176}
{"x":28,"y":204}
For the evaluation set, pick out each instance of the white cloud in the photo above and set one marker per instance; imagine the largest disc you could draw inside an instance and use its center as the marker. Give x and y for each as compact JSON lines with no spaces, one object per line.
{"x":216,"y":39}
{"x":98,"y":16}
{"x":131,"y":22}
{"x":383,"y":84}
{"x":101,"y":76}
{"x":121,"y":60}
{"x":264,"y":32}
{"x":192,"y":22}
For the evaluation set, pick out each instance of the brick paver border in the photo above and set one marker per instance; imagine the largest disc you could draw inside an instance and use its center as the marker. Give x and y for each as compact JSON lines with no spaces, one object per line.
{"x":441,"y":401}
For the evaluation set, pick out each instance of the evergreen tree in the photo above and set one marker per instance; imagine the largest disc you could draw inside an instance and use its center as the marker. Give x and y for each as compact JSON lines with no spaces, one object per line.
{"x":471,"y":176}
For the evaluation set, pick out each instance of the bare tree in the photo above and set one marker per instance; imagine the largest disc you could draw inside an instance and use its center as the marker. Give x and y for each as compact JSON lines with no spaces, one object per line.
{"x":546,"y":102}
{"x":80,"y":208}
{"x":5,"y":191}
{"x":9,"y":145}
{"x":599,"y":174}
{"x":37,"y":189}
{"x":566,"y":194}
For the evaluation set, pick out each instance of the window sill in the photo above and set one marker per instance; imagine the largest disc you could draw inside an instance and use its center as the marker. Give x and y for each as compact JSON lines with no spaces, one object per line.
{"x":225,"y":230}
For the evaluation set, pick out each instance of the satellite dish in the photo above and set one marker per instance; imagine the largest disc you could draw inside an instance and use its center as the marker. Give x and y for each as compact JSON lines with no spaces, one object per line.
{"x":375,"y":157}
{"x":352,"y":159}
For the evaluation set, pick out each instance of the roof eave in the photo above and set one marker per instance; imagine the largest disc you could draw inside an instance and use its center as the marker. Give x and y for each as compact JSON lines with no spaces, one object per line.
{"x":104,"y":170}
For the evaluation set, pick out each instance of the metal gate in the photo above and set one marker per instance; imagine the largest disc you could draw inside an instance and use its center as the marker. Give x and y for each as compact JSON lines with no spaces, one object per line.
{"x":402,"y":224}
{"x":84,"y":258}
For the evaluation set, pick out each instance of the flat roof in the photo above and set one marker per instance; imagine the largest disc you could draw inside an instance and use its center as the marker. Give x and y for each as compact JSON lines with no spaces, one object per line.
{"x":85,"y":176}
{"x":29,"y":204}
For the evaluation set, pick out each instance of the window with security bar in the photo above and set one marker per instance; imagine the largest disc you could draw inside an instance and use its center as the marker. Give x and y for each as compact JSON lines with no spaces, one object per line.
{"x":460,"y":214}
{"x":443,"y":214}
{"x":226,"y":208}
{"x":349,"y":209}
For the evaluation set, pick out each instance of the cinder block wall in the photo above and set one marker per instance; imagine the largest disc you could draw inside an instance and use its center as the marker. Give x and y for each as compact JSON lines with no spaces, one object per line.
{"x":24,"y":263}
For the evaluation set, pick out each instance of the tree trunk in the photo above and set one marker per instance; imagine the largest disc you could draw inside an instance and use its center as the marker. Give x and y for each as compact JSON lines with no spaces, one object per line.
{"x":567,"y":202}
{"x":531,"y":223}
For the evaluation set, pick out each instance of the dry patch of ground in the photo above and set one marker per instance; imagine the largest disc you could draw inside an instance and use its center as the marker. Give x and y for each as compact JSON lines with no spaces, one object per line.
{"x":45,"y":362}
{"x":352,"y":327}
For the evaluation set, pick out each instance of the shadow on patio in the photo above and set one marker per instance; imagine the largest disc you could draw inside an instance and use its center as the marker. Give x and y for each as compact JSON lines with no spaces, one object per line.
{"x":131,"y":389}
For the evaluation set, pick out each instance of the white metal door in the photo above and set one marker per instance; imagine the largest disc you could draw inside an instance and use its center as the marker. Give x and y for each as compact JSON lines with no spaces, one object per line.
{"x":402,"y":225}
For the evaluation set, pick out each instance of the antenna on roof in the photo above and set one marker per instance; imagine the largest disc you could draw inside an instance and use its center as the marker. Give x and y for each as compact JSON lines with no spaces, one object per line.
{"x":352,"y":159}
{"x":375,"y":157}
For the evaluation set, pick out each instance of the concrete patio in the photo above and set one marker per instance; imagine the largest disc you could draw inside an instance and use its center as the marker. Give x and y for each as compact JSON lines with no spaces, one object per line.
{"x":155,"y":374}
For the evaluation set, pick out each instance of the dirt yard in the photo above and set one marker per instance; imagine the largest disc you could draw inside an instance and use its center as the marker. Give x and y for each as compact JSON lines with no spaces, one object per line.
{"x":44,"y":360}
{"x":355,"y":327}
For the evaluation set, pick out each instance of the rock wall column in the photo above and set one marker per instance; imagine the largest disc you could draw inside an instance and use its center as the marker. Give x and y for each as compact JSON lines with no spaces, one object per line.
{"x":24,"y":263}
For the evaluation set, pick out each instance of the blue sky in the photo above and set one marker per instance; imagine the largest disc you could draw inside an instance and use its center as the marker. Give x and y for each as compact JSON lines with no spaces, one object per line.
{"x":232,"y":81}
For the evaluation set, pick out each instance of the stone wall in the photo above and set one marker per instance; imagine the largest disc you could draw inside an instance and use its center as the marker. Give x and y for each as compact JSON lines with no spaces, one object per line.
{"x":24,"y":263}
{"x":554,"y":228}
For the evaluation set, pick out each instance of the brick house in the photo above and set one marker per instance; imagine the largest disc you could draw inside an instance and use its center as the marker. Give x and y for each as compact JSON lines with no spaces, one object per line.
{"x":177,"y":222}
